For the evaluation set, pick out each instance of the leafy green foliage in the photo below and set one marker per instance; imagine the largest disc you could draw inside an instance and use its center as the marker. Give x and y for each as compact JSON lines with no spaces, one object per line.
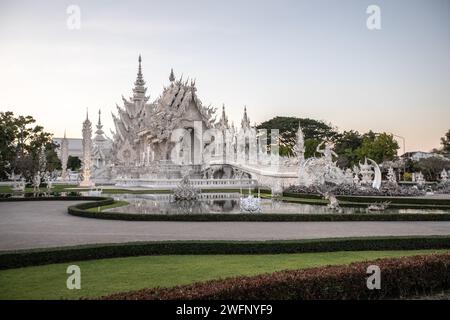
{"x":73,"y":163}
{"x":313,"y":130}
{"x":378,"y":147}
{"x":351,"y":146}
{"x":22,"y":144}
{"x":347,"y":145}
{"x":445,"y":141}
{"x":432,"y":167}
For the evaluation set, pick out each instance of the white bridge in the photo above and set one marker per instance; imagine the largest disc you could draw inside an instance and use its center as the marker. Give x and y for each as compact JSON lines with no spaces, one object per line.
{"x":170,"y":184}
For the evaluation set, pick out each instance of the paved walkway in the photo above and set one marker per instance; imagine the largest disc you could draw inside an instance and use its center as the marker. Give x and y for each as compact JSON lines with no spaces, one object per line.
{"x":47,"y":224}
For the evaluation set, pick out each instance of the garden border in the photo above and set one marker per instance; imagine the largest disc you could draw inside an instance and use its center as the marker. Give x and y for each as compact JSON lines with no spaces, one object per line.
{"x":401,"y":278}
{"x":80,"y":210}
{"x":33,"y":257}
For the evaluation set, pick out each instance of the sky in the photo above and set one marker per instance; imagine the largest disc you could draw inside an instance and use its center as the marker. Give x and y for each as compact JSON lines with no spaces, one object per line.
{"x":314,"y":59}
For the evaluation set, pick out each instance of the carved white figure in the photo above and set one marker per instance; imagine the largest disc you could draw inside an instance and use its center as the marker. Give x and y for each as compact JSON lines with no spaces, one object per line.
{"x":49,"y":182}
{"x":366,"y":173}
{"x":444,"y":176}
{"x":18,"y":182}
{"x":318,"y":171}
{"x":64,"y":156}
{"x":391,"y":176}
{"x":378,"y":206}
{"x":36,"y":181}
{"x":376,"y":184}
{"x":185,"y":190}
{"x":349,"y":176}
{"x":327,"y":152}
{"x":333,"y":202}
{"x":300,"y":145}
{"x":250,"y":204}
{"x":87,"y":153}
{"x":420,"y":179}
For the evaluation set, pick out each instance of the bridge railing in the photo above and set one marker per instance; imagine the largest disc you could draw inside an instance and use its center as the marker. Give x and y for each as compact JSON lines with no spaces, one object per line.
{"x":199,"y":183}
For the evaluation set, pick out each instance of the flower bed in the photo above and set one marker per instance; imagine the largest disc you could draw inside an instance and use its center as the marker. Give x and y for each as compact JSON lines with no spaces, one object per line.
{"x":400,"y":278}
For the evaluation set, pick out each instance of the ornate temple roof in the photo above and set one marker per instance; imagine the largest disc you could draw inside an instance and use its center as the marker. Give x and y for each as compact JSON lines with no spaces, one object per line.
{"x":223,"y":121}
{"x":175,"y":105}
{"x":245,"y":123}
{"x":99,"y":133}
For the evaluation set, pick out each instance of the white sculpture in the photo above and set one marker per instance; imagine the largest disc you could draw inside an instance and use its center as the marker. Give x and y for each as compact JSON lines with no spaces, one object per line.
{"x":64,"y":156}
{"x":318,"y":171}
{"x":444,"y":176}
{"x":49,"y":182}
{"x":366,"y":173}
{"x":299,"y":147}
{"x":250,"y":204}
{"x":349,"y":179}
{"x":333,"y":202}
{"x":391,"y":176}
{"x":377,"y":179}
{"x":18,"y":182}
{"x":378,"y":206}
{"x":36,"y":181}
{"x":419,"y":179}
{"x":185,"y":190}
{"x":87,"y":149}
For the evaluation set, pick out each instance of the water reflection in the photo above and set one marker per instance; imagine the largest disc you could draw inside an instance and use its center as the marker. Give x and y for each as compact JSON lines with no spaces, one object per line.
{"x":228,"y":203}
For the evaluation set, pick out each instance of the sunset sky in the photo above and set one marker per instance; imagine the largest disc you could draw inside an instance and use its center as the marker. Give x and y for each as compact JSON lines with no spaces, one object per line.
{"x":313,"y":59}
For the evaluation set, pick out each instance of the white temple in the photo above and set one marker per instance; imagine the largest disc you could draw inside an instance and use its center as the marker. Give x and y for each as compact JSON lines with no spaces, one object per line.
{"x":156,"y":144}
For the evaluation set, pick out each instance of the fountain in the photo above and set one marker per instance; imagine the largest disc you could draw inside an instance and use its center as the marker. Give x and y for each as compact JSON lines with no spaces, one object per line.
{"x":185,"y":190}
{"x":18,"y":182}
{"x":333,"y":202}
{"x":378,"y":206}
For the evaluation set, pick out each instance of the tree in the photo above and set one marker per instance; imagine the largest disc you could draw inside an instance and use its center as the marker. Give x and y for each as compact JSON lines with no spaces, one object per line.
{"x":378,"y":147}
{"x":346,"y":147}
{"x":445,"y":141}
{"x":432,"y":167}
{"x":314,"y":131}
{"x":73,"y":163}
{"x":23,"y":144}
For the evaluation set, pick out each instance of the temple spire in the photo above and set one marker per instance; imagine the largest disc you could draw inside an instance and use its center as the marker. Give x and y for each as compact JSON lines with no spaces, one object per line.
{"x":171,"y":76}
{"x":245,"y":123}
{"x":223,"y":122}
{"x":139,"y":85}
{"x":99,"y":124}
{"x":99,"y":133}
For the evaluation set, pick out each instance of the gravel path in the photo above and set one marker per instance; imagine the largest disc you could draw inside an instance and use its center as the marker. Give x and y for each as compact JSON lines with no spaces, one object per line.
{"x":47,"y":224}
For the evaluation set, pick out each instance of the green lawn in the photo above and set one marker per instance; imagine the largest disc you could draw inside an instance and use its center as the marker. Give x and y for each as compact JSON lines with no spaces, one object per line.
{"x":100,"y":277}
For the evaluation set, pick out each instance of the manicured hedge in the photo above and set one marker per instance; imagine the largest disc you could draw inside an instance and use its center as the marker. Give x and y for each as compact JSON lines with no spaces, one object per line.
{"x":23,"y":258}
{"x":59,"y":198}
{"x":80,"y":210}
{"x":367,"y":199}
{"x":400,"y":277}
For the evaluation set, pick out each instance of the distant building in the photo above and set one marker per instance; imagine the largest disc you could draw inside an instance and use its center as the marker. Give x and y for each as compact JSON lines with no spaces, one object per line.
{"x":75,"y":146}
{"x":418,"y":155}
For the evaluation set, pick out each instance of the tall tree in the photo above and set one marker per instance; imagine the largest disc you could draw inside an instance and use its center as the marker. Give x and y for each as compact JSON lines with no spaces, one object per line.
{"x":445,"y":141}
{"x":346,"y":146}
{"x":314,"y":131}
{"x":23,"y":144}
{"x":378,"y":147}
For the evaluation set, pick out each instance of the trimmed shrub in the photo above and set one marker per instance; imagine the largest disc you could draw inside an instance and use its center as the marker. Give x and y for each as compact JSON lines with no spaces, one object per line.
{"x":24,"y":258}
{"x":400,"y":277}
